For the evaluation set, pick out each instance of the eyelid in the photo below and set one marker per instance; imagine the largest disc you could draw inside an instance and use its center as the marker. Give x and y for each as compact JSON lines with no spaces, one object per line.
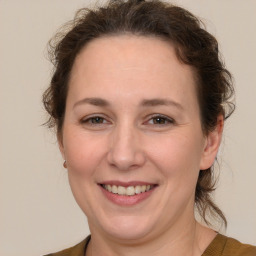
{"x":86,"y":119}
{"x":106,"y":120}
{"x":167,"y":118}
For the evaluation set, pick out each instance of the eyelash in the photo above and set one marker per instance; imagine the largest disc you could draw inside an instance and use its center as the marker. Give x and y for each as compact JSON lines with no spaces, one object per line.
{"x":164,"y":118}
{"x":89,"y":120}
{"x":161,"y":118}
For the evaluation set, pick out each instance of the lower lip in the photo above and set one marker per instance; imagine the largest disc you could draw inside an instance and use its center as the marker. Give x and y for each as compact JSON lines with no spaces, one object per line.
{"x":127,"y":200}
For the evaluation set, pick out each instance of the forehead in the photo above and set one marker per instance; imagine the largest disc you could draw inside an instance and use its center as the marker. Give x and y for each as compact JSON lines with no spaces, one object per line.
{"x":131,"y":64}
{"x":128,"y":51}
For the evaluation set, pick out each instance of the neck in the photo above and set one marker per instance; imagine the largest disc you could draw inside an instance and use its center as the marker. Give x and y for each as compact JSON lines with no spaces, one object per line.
{"x":190,"y":240}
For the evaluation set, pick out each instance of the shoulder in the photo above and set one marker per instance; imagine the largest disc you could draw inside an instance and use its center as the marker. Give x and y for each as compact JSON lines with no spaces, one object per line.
{"x":227,"y":246}
{"x":77,"y":250}
{"x":236,"y":248}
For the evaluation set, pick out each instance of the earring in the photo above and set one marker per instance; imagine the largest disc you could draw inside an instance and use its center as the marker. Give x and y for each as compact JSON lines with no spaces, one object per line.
{"x":65,"y":164}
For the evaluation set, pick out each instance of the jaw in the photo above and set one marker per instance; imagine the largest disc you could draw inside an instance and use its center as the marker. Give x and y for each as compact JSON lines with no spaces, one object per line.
{"x":140,"y":221}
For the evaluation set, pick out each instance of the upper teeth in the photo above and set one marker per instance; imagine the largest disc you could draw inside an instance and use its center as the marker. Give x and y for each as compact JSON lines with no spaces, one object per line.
{"x":128,"y":191}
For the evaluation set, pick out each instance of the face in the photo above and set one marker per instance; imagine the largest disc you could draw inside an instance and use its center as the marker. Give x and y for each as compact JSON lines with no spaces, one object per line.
{"x":132,"y":137}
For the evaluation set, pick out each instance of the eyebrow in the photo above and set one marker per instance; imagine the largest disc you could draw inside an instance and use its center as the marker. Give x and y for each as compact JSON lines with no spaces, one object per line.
{"x":160,"y":102}
{"x":92,"y":101}
{"x":144,"y":103}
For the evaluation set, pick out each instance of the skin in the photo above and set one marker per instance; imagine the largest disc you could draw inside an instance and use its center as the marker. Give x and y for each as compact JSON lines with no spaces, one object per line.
{"x":123,"y":140}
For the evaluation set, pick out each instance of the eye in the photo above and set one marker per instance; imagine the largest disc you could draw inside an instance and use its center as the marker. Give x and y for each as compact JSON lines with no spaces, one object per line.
{"x":94,"y":120}
{"x":160,"y":120}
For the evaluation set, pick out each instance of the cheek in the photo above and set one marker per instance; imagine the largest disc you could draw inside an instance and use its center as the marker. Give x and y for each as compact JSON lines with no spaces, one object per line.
{"x":83,"y":153}
{"x":178,"y":156}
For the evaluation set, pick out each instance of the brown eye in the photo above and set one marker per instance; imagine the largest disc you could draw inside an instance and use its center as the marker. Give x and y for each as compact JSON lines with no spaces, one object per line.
{"x":96,"y":120}
{"x":159,"y":120}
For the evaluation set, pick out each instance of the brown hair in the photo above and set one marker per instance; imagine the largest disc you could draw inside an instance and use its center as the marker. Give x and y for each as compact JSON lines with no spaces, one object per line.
{"x":194,"y":46}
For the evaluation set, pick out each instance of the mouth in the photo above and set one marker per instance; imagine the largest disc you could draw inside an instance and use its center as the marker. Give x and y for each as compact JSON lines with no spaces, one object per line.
{"x":127,"y":193}
{"x":128,"y":190}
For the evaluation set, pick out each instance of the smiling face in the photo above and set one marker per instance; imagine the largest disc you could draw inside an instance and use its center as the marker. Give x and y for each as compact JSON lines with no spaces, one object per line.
{"x":132,"y":137}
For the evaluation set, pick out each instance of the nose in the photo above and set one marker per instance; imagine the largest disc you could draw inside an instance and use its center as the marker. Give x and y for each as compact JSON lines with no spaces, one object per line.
{"x":125,"y":151}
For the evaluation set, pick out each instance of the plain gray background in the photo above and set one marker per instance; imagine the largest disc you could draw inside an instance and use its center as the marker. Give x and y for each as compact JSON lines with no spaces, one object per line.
{"x":38,"y":214}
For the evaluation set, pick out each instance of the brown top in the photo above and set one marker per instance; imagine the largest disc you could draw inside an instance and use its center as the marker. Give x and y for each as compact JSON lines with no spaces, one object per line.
{"x":226,"y":246}
{"x":220,"y":246}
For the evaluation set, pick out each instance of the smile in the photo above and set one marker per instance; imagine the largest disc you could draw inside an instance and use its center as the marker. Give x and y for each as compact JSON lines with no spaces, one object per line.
{"x":127,"y":191}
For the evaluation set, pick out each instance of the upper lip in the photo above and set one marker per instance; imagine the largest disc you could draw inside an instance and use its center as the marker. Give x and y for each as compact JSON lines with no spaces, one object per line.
{"x":126,"y":184}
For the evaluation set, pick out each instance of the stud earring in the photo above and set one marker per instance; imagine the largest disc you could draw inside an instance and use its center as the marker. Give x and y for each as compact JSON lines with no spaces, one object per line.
{"x":65,"y":164}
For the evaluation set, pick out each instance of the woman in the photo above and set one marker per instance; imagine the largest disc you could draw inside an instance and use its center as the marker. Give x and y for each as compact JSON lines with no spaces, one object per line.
{"x":139,"y":97}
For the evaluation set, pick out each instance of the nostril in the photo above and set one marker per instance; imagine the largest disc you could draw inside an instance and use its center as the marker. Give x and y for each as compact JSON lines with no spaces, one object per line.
{"x":125,"y":151}
{"x":125,"y":161}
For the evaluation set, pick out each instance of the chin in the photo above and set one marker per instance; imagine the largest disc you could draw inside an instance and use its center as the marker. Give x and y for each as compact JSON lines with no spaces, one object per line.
{"x":128,"y":228}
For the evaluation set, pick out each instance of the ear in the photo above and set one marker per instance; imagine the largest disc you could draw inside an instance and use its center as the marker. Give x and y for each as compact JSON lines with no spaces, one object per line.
{"x":212,"y":143}
{"x":60,"y":143}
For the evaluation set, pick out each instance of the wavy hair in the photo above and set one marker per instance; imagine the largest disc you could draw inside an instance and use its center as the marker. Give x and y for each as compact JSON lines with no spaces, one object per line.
{"x":194,"y":46}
